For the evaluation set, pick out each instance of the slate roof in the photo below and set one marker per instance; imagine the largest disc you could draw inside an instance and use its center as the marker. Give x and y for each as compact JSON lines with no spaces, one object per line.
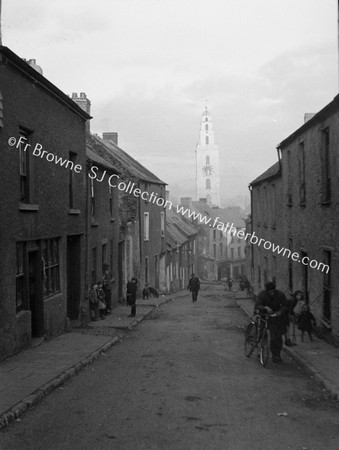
{"x":330,"y":108}
{"x":15,"y":61}
{"x":271,"y":172}
{"x":124,"y":160}
{"x":178,"y":229}
{"x":226,"y":215}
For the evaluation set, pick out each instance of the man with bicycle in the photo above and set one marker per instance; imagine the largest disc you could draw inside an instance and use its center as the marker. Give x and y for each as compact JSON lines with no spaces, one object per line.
{"x":272,"y":301}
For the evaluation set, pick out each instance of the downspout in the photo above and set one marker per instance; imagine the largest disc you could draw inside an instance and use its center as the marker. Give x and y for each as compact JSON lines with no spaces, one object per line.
{"x":84,"y":306}
{"x":252,"y":221}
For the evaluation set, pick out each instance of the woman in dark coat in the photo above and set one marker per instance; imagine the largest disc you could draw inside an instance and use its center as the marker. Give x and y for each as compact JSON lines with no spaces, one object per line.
{"x":131,"y":294}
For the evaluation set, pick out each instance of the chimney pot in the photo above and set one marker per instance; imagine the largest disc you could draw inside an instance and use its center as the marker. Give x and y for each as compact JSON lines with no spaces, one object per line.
{"x":110,"y":136}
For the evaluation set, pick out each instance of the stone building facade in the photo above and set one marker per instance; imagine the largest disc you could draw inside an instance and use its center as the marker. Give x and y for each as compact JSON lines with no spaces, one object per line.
{"x":301,"y":215}
{"x":266,"y":223}
{"x":310,"y":175}
{"x":43,"y":206}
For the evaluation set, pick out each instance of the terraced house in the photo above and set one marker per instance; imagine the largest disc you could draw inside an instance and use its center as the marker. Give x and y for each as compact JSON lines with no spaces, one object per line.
{"x":43,"y":205}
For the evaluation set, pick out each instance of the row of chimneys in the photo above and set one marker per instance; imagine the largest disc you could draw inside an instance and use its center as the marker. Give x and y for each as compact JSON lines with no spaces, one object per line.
{"x":85,"y":104}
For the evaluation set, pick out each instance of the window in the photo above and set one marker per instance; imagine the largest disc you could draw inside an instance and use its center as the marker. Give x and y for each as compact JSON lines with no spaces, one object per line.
{"x":207,"y":140}
{"x":207,"y":160}
{"x":265,"y":269}
{"x":162,"y":217}
{"x":25,"y":163}
{"x":94,"y":265}
{"x":103,"y":255}
{"x":289,"y":198}
{"x":232,"y":253}
{"x":290,"y":267}
{"x":214,"y":234}
{"x":220,"y":249}
{"x":301,"y":169}
{"x":92,"y":197}
{"x":110,"y":191}
{"x":50,"y":266}
{"x":215,"y":250}
{"x":146,"y":226}
{"x":206,"y":119}
{"x":206,"y":127}
{"x":20,"y":276}
{"x":220,"y":234}
{"x":327,"y":290}
{"x":273,"y":207}
{"x":325,"y":166}
{"x":239,"y":252}
{"x":208,"y":183}
{"x":111,"y":255}
{"x":72,"y":158}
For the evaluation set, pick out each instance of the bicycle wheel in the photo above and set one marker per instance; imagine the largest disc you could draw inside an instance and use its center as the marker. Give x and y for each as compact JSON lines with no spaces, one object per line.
{"x":265,"y":345}
{"x":249,"y":339}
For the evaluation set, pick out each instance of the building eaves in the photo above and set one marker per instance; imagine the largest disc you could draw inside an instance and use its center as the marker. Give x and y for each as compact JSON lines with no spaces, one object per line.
{"x":330,"y":108}
{"x":94,"y":157}
{"x":272,"y":172}
{"x":133,"y":166}
{"x":38,"y":79}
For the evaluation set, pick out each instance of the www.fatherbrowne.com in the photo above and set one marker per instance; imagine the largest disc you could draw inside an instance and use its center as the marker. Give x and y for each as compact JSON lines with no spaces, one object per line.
{"x":253,"y":238}
{"x":130,"y":188}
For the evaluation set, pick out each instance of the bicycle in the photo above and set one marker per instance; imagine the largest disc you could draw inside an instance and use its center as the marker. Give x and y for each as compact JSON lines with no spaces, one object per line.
{"x":257,"y":335}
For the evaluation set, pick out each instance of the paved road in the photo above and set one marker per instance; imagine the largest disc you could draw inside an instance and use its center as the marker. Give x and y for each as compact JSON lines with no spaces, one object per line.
{"x":180,"y":381}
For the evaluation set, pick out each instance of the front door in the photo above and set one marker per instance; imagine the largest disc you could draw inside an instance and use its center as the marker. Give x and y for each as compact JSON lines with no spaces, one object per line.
{"x":35,"y":294}
{"x":73,"y":277}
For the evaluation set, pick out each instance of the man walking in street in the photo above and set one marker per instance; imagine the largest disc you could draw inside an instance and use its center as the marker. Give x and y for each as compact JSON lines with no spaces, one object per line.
{"x":131,"y":295}
{"x":273,"y":301}
{"x":194,"y":286}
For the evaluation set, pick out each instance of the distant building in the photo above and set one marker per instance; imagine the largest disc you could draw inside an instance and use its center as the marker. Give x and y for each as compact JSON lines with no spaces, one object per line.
{"x":181,"y":259}
{"x":43,"y":206}
{"x":219,"y":256}
{"x":207,"y":163}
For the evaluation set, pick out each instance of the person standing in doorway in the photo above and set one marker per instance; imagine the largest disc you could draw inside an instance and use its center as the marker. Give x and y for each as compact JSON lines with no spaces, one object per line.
{"x":131,"y":294}
{"x":194,"y":286}
{"x":93,"y":301}
{"x":107,"y":280}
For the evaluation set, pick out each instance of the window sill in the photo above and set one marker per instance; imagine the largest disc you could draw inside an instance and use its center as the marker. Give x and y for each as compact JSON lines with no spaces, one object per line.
{"x":74,"y":212}
{"x":94,"y":223}
{"x":28,"y":207}
{"x":112,"y":219}
{"x":325,"y":203}
{"x":302,"y":204}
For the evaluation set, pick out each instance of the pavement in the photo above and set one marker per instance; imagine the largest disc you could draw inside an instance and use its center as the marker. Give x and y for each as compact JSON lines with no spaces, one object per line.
{"x":27,"y":377}
{"x":318,"y":358}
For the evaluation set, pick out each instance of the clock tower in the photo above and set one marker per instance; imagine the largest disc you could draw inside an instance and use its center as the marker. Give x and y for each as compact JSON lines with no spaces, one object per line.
{"x":207,"y":163}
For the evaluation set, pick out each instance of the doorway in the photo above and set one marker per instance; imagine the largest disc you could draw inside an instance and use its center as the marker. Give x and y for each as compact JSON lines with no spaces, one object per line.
{"x":73,"y":277}
{"x":36,"y":304}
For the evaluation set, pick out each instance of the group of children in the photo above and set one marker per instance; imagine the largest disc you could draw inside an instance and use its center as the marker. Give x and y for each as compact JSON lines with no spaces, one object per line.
{"x":97,"y":301}
{"x":300,"y":314}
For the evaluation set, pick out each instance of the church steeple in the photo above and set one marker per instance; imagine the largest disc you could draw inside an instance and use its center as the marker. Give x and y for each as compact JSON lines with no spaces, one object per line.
{"x":206,"y":129}
{"x":207,"y":159}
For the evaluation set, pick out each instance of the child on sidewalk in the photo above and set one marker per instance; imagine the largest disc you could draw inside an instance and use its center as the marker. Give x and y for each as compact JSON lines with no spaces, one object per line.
{"x":93,"y":301}
{"x":101,"y":300}
{"x":306,"y":322}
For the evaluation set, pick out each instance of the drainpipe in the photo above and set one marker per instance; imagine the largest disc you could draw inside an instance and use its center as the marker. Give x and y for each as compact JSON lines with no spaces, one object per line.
{"x":252,"y":221}
{"x":84,"y":305}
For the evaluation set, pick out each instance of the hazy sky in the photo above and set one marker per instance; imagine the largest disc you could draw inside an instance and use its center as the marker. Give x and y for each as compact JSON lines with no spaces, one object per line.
{"x":148,"y":65}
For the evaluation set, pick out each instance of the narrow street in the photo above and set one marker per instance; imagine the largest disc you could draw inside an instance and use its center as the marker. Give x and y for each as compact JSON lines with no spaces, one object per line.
{"x":180,"y":381}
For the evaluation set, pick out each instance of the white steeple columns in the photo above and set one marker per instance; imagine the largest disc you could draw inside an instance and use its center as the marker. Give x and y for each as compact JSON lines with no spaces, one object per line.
{"x":207,"y":163}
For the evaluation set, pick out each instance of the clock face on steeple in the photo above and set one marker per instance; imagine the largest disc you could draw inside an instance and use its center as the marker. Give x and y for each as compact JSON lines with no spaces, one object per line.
{"x":207,"y":170}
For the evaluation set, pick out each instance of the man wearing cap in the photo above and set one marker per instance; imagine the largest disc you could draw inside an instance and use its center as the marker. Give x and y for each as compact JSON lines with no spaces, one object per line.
{"x":194,"y":286}
{"x":272,"y":301}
